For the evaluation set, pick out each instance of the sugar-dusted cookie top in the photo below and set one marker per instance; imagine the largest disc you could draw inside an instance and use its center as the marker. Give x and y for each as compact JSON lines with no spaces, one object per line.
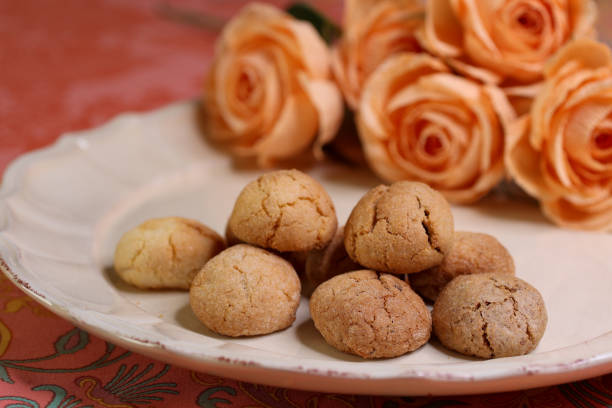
{"x":402,"y":228}
{"x":284,"y":210}
{"x":489,"y":315}
{"x":245,"y":291}
{"x":370,"y":314}
{"x":165,"y":252}
{"x":472,"y":252}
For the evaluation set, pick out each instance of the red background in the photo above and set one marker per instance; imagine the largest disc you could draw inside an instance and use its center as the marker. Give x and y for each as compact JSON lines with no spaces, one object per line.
{"x":73,"y":64}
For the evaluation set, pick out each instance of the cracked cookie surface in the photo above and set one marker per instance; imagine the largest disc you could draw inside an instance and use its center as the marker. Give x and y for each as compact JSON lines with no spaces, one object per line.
{"x":370,"y":314}
{"x":285,"y":210}
{"x":489,"y":315}
{"x":245,"y":291}
{"x":472,"y":253}
{"x":406,"y":227}
{"x":165,"y":252}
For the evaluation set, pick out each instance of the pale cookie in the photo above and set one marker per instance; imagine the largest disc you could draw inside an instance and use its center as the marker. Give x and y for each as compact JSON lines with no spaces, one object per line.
{"x":369,"y":314}
{"x":489,"y":315}
{"x":328,"y":262}
{"x":165,"y":252}
{"x":406,"y":227}
{"x":472,"y":252}
{"x":245,"y":291}
{"x":284,"y":210}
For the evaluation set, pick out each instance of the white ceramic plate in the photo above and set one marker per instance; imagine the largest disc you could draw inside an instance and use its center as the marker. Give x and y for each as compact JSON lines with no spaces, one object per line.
{"x":62,"y":210}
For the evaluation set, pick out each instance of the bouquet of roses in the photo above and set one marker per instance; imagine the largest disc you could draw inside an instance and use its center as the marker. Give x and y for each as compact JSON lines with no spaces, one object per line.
{"x":454,"y":93}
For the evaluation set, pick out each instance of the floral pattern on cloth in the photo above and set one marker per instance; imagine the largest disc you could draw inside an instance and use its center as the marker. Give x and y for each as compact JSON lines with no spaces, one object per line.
{"x":74,"y":67}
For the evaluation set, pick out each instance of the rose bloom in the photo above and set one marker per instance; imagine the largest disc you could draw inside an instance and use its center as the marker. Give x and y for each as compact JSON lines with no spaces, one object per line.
{"x":269,"y":92}
{"x":373,"y":30}
{"x":417,"y":121}
{"x":502,"y":40}
{"x":561,"y":153}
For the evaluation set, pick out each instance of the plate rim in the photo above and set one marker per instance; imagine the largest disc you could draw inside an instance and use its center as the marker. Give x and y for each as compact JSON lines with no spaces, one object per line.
{"x":539,"y":375}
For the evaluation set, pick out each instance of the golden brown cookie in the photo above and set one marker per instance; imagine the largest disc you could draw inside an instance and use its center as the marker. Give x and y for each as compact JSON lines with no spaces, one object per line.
{"x":472,"y":252}
{"x":245,"y":291}
{"x":489,"y":315}
{"x":328,"y":262}
{"x":165,"y":252}
{"x":285,"y":210}
{"x":230,"y":238}
{"x":406,"y":227}
{"x":369,"y":314}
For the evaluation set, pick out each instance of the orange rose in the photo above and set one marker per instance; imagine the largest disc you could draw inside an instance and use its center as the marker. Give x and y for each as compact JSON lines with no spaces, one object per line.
{"x":373,"y":30}
{"x":417,"y":121}
{"x":504,"y":39}
{"x":269,"y":92}
{"x":561,"y":153}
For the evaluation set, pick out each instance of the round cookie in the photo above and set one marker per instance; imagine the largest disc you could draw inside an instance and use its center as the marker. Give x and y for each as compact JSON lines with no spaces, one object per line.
{"x":369,"y":314}
{"x":489,"y":315}
{"x":406,"y":227}
{"x":285,"y":210}
{"x":165,"y":252}
{"x":245,"y":291}
{"x":472,"y":253}
{"x":328,"y":262}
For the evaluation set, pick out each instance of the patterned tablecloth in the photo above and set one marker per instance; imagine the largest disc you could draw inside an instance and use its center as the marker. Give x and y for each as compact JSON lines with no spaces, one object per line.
{"x":74,"y":64}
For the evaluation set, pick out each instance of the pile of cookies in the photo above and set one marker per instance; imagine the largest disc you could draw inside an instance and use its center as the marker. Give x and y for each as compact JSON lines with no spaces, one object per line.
{"x":367,"y":280}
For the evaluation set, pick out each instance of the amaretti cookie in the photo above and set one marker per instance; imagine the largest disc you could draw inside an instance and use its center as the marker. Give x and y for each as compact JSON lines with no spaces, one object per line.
{"x":328,"y":262}
{"x":489,"y":315}
{"x":406,"y":227}
{"x":472,"y":253}
{"x":370,"y":314}
{"x":245,"y":291}
{"x":284,"y":210}
{"x":165,"y":252}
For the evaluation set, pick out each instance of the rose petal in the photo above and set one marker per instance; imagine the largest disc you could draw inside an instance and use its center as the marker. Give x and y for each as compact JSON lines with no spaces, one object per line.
{"x":476,"y":23}
{"x":312,"y":48}
{"x":253,"y":13}
{"x":526,"y":91}
{"x":580,"y":129}
{"x":272,"y":88}
{"x":557,"y":155}
{"x":442,"y":33}
{"x":327,"y":100}
{"x":293,"y":132}
{"x":357,"y":11}
{"x":553,"y":96}
{"x":568,"y":215}
{"x":583,"y":16}
{"x":522,"y":160}
{"x":480,"y":188}
{"x":373,"y":31}
{"x":590,"y":54}
{"x":408,"y":66}
{"x":453,"y":85}
{"x":599,"y":87}
{"x":236,"y":124}
{"x":471,"y":93}
{"x":472,"y":71}
{"x":501,"y":105}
